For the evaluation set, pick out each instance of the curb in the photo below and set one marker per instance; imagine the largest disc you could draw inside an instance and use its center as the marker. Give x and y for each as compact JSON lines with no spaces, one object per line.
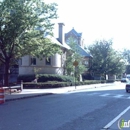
{"x":89,"y":88}
{"x":31,"y":96}
{"x":46,"y":94}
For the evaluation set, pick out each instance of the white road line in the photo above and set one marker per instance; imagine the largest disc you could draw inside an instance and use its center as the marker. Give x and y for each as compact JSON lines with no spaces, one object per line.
{"x":128,"y":97}
{"x":118,"y":96}
{"x":116,"y":118}
{"x":92,"y":93}
{"x":103,"y":95}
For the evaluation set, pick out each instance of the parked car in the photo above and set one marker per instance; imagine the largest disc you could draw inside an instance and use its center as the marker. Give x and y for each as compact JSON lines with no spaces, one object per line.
{"x":128,"y":76}
{"x":125,"y":80}
{"x":127,"y":87}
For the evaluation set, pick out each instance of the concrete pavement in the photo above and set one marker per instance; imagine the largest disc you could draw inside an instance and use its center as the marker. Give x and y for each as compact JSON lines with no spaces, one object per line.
{"x":29,"y":93}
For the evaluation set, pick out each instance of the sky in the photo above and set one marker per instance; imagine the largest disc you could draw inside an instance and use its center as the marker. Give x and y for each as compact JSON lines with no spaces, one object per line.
{"x":96,"y":19}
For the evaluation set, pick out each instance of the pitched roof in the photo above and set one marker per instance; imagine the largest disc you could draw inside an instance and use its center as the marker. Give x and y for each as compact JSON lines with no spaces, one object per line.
{"x":83,"y":52}
{"x":74,"y":32}
{"x":54,"y":40}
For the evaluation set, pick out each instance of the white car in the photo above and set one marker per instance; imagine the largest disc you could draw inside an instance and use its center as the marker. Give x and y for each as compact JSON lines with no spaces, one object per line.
{"x":125,"y":80}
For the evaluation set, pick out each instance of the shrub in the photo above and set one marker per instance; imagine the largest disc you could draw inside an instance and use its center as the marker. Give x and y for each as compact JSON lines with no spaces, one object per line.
{"x":57,"y":84}
{"x":103,"y":81}
{"x":54,"y":77}
{"x":29,"y":85}
{"x":45,"y":78}
{"x":26,"y":78}
{"x":110,"y":81}
{"x":87,"y":76}
{"x":92,"y":81}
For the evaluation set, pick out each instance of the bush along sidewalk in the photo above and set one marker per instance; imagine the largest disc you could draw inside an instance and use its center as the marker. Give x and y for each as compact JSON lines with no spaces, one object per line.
{"x":55,"y":84}
{"x":45,"y":78}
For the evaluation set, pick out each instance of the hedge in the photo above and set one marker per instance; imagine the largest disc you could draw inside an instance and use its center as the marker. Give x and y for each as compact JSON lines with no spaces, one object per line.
{"x":26,"y":78}
{"x":29,"y":85}
{"x":45,"y":78}
{"x":55,"y":84}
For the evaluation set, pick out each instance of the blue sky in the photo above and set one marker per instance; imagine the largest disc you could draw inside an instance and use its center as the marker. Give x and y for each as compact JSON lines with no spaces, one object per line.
{"x":96,"y":19}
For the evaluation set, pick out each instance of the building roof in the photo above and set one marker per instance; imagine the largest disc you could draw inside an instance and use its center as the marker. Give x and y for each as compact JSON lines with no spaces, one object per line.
{"x":83,"y":52}
{"x":74,"y":32}
{"x":80,"y":50}
{"x":54,"y":40}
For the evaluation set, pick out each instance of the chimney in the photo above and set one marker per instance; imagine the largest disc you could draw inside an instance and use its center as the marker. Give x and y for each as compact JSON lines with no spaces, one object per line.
{"x":61,"y":33}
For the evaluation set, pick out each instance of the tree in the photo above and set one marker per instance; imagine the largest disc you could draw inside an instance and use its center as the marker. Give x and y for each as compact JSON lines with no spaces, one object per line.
{"x":74,"y":55}
{"x":106,"y":60}
{"x":24,"y":26}
{"x":126,"y":55}
{"x":127,"y":69}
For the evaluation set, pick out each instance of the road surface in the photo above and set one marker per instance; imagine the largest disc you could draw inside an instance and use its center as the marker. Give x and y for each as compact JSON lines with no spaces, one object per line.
{"x":88,"y":109}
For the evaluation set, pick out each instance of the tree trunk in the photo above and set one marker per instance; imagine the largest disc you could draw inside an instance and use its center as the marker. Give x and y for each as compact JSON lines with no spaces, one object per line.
{"x":6,"y":74}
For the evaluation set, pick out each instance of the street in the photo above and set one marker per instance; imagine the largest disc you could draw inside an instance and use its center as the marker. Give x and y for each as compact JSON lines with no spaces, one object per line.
{"x":88,"y":109}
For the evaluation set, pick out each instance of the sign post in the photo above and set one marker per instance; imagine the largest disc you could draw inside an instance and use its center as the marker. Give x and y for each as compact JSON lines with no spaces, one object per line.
{"x":75,"y":63}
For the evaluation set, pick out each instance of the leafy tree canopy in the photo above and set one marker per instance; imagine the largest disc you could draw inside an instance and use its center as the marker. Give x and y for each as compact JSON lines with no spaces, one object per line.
{"x":23,"y":27}
{"x":126,"y":55}
{"x":74,"y":55}
{"x":106,"y":60}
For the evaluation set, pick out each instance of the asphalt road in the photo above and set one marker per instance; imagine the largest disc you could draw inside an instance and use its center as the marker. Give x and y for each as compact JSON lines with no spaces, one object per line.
{"x":83,"y":110}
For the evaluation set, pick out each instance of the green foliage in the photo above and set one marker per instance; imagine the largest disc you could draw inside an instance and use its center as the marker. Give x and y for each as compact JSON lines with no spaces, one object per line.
{"x":46,"y":78}
{"x":110,"y":81}
{"x":87,"y":76}
{"x":24,"y":25}
{"x":54,"y":77}
{"x":74,"y":55}
{"x":106,"y":60}
{"x":127,"y":69}
{"x":46,"y":85}
{"x":54,"y":84}
{"x":126,"y":55}
{"x":92,"y":82}
{"x":26,"y":78}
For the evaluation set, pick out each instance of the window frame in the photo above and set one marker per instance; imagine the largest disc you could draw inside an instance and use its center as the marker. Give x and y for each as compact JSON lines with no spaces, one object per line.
{"x":48,"y":61}
{"x":33,"y":61}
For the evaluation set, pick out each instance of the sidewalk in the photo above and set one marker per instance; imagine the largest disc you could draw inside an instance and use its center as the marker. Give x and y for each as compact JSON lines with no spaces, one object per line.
{"x":29,"y":93}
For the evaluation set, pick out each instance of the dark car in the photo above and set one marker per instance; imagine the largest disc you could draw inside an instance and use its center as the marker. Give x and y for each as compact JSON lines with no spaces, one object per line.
{"x":127,"y":87}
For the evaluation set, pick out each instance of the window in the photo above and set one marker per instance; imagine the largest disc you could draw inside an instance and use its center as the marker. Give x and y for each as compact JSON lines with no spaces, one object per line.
{"x":20,"y":61}
{"x":33,"y":61}
{"x":86,"y":62}
{"x":48,"y":61}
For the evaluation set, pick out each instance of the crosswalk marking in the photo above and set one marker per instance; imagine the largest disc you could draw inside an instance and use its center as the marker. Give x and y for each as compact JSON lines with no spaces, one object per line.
{"x":118,"y":96}
{"x":110,"y":95}
{"x":92,"y":93}
{"x":103,"y":95}
{"x":128,"y":97}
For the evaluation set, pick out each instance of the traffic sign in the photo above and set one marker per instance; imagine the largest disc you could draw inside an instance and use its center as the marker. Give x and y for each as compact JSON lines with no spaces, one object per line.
{"x":75,"y":63}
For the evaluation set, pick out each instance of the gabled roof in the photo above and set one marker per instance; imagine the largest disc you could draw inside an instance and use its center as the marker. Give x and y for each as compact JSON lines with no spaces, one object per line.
{"x":54,"y":40}
{"x":83,"y":52}
{"x":74,"y":32}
